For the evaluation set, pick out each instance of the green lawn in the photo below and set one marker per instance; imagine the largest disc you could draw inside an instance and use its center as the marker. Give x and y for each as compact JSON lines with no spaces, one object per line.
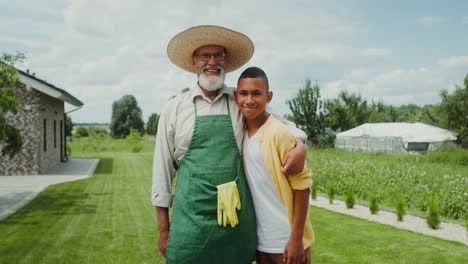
{"x":108,"y":218}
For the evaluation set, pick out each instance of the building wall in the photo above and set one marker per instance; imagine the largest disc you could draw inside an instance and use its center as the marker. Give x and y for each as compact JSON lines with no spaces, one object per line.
{"x":393,"y":145}
{"x":371,"y":144}
{"x":27,"y":161}
{"x":34,"y":108}
{"x":51,"y":110}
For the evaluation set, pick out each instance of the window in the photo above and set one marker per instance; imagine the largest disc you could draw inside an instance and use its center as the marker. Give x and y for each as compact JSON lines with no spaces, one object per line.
{"x":418,"y":146}
{"x":55,"y":133}
{"x":45,"y":135}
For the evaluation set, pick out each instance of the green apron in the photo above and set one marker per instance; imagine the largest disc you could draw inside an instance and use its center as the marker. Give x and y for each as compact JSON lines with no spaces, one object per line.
{"x":213,"y":158}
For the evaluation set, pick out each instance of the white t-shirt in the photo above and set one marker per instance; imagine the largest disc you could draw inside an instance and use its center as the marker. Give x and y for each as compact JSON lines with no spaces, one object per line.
{"x":273,"y":228}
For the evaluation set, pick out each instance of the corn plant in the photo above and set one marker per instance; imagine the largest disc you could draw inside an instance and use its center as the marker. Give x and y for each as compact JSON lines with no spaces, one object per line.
{"x":374,"y":206}
{"x":349,"y":198}
{"x":433,"y":214}
{"x":400,"y":209}
{"x":331,"y":191}
{"x":313,"y":192}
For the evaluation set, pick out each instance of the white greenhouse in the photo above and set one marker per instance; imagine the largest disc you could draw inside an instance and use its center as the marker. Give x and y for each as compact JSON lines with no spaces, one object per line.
{"x":394,"y":138}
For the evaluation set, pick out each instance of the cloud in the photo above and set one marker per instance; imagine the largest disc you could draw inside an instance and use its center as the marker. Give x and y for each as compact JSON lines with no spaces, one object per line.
{"x":429,"y":20}
{"x":102,"y":50}
{"x":465,"y":20}
{"x":454,"y":61}
{"x":106,"y":49}
{"x":402,"y":86}
{"x":357,"y":74}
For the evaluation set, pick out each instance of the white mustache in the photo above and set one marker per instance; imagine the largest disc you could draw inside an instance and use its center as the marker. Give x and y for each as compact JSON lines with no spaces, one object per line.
{"x":208,"y":67}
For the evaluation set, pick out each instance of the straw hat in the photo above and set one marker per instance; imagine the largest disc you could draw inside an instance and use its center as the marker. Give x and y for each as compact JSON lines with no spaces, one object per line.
{"x":181,"y":47}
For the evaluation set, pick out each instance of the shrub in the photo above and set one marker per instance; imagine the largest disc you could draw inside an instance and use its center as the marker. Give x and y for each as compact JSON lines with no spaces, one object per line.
{"x":98,"y":141}
{"x":98,"y":131}
{"x":349,"y":198}
{"x":82,"y":132}
{"x":136,"y":148}
{"x":374,"y":207}
{"x":400,"y":209}
{"x":326,"y":139}
{"x":331,"y":191}
{"x":68,"y":151}
{"x":134,"y":139}
{"x":433,"y":214}
{"x":313,"y":192}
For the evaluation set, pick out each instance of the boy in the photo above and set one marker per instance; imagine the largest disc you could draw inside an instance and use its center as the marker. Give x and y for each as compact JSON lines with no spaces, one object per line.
{"x":281,"y":203}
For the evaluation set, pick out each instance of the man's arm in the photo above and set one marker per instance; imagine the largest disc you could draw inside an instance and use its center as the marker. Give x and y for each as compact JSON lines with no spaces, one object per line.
{"x":163,"y":174}
{"x":294,"y":251}
{"x":294,"y":160}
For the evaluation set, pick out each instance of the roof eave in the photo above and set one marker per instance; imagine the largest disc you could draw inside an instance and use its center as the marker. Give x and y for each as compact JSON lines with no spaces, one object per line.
{"x":42,"y":86}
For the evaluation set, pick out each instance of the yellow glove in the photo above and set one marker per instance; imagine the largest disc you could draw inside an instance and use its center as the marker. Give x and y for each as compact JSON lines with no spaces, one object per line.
{"x":228,"y":202}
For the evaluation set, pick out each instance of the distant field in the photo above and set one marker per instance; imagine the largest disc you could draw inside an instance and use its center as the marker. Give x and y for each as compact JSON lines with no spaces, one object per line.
{"x":443,"y":174}
{"x":99,"y":126}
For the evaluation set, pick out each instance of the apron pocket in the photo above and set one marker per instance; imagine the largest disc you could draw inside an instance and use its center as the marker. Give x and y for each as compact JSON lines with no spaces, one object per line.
{"x":203,"y":195}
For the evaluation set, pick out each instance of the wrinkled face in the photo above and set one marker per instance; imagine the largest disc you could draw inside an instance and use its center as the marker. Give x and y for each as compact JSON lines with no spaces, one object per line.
{"x":252,"y":97}
{"x":209,"y":62}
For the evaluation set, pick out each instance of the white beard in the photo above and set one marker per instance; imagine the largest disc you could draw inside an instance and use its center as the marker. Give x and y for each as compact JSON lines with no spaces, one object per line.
{"x":211,"y":83}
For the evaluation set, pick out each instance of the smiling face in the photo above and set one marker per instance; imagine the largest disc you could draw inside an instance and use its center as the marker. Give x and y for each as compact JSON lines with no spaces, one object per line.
{"x":252,"y":96}
{"x":207,"y":57}
{"x":209,"y":62}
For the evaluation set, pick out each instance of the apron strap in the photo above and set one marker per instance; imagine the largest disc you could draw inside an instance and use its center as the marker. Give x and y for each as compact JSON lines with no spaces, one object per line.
{"x":195,"y":105}
{"x":227,"y":101}
{"x":225,"y":97}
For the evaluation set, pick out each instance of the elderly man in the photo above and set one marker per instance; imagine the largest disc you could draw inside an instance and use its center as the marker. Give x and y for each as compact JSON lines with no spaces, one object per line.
{"x":199,"y":137}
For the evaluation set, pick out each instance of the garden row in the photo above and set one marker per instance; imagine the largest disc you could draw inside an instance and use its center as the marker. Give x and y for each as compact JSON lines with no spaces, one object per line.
{"x":412,"y":181}
{"x":432,"y":213}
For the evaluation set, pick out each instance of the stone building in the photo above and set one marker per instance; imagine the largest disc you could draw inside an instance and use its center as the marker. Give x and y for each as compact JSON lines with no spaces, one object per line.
{"x":41,"y":120}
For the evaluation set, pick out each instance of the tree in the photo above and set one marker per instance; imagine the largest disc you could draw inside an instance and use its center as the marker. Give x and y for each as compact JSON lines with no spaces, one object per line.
{"x":82,"y":132}
{"x":409,"y":113}
{"x":346,"y":112}
{"x":454,"y":111}
{"x":10,"y":137}
{"x":126,"y":115}
{"x":152,"y":124}
{"x":379,"y":112}
{"x":305,"y":108}
{"x":68,"y":126}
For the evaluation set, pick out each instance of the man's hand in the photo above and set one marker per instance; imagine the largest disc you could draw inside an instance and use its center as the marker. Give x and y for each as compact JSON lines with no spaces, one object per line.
{"x":294,"y":252}
{"x":162,"y":242}
{"x":163,"y":226}
{"x":294,"y":160}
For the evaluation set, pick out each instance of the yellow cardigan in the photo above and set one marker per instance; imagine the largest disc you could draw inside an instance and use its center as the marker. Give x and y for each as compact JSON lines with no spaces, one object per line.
{"x":275,"y":141}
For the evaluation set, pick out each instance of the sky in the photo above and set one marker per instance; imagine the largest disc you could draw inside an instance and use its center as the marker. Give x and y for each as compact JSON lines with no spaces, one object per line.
{"x":397,"y":52}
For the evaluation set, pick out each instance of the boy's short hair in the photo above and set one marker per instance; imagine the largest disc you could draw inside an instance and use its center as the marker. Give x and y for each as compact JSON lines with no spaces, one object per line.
{"x":254,"y":72}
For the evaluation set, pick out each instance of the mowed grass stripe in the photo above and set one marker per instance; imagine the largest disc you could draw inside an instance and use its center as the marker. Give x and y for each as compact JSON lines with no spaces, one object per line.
{"x":345,"y":239}
{"x":110,"y":225}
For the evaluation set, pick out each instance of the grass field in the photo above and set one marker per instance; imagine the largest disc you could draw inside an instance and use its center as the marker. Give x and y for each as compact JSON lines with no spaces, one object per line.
{"x":108,"y":218}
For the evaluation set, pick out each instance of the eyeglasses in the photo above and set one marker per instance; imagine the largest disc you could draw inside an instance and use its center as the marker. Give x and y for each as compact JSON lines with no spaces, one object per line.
{"x":218,"y":56}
